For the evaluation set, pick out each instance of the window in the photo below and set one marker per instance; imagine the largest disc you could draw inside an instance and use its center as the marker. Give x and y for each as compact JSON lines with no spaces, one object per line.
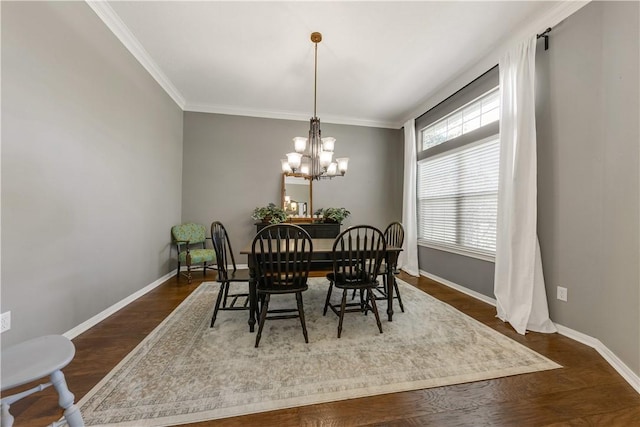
{"x":470,"y":117}
{"x":458,"y":179}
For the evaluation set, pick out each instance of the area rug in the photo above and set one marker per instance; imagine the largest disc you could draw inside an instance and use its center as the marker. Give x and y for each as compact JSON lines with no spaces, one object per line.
{"x":185,"y":371}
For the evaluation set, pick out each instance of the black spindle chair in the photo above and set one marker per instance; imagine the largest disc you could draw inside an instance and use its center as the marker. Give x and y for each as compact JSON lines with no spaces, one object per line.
{"x":282,"y":258}
{"x":227,"y":273}
{"x":357,"y":255}
{"x":394,"y":236}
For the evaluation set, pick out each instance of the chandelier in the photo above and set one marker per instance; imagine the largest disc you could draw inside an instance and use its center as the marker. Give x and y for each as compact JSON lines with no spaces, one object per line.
{"x":313,"y":157}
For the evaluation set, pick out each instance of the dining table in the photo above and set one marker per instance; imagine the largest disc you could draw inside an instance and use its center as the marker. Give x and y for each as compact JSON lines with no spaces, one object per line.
{"x":322,"y":250}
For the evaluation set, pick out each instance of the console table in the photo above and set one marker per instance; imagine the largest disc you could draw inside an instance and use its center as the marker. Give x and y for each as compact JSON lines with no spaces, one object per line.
{"x":317,"y":230}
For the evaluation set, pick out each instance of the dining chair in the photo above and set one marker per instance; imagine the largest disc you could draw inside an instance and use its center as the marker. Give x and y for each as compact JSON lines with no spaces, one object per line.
{"x":281,"y":256}
{"x":227,"y":273}
{"x":357,"y":255}
{"x":393,"y":236}
{"x":190,"y":240}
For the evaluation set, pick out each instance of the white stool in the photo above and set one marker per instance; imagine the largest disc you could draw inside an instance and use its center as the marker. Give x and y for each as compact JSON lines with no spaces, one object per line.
{"x":35,"y":359}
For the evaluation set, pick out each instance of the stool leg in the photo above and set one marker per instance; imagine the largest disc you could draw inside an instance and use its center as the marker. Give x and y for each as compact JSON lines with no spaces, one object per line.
{"x":65,"y":400}
{"x":6,"y":419}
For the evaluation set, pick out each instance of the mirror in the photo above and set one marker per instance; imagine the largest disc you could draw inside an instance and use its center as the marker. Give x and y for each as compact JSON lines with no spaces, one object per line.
{"x":296,"y":195}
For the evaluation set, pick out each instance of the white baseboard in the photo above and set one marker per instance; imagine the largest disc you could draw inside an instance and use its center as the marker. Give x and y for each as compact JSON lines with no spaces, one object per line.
{"x":459,"y":288}
{"x":86,"y":325}
{"x":631,"y":377}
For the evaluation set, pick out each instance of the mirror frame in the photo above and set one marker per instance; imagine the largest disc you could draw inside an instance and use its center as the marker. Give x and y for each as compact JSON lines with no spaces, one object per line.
{"x":282,"y":194}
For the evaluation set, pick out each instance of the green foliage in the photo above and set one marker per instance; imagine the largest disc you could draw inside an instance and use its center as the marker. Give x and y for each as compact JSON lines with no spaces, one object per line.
{"x":333,"y":214}
{"x":271,"y":213}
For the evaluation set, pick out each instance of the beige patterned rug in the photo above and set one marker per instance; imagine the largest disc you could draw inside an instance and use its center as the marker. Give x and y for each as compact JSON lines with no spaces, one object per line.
{"x":186,"y":372}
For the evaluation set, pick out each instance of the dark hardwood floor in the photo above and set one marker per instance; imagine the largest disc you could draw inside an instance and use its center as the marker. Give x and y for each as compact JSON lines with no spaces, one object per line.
{"x":586,"y":392}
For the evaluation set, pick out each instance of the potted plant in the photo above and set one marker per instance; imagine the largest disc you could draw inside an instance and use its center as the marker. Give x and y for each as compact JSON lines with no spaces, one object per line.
{"x":271,"y":213}
{"x":333,"y":214}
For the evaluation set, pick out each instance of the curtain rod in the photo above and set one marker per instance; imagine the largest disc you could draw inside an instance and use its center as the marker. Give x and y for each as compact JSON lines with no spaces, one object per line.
{"x":545,"y":34}
{"x":459,"y":90}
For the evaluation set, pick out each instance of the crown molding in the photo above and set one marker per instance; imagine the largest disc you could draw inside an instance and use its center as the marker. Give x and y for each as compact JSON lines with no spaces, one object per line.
{"x":111,"y":19}
{"x":283,"y":115}
{"x":120,"y":30}
{"x":550,"y":18}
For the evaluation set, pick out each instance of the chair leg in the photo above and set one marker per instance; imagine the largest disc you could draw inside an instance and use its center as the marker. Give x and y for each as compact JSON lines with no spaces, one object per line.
{"x":259,"y":304}
{"x":217,"y":307}
{"x":343,"y":307}
{"x":374,"y":308}
{"x":178,"y":274}
{"x":301,"y":314}
{"x":395,"y":286}
{"x":326,"y":303}
{"x":263,"y":317}
{"x":226,"y":294}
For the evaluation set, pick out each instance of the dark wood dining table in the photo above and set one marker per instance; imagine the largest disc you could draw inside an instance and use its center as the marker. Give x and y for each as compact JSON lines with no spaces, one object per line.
{"x":322,"y":248}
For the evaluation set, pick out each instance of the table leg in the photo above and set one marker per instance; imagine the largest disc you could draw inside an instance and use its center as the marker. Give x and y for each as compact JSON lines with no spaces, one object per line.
{"x":390,"y":261}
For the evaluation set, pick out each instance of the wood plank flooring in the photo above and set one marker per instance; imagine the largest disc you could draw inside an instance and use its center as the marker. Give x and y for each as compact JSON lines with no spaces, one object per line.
{"x":586,"y":392}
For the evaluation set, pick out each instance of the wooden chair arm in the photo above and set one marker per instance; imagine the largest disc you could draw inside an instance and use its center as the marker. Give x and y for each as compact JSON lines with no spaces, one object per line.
{"x":186,"y":243}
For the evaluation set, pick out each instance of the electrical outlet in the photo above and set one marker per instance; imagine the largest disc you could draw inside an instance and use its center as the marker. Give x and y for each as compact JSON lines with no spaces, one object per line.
{"x":5,"y":321}
{"x":562,"y":293}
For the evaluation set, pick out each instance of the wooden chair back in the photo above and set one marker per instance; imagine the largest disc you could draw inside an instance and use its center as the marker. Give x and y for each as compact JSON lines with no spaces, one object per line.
{"x":357,"y":254}
{"x":282,"y":257}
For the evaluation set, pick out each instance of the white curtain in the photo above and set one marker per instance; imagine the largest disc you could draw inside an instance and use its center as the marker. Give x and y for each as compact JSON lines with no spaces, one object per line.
{"x":519,"y":282}
{"x":408,"y":260}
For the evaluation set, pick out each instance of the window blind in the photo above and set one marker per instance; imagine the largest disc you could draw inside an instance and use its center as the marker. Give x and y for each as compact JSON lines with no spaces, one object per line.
{"x":457,"y":197}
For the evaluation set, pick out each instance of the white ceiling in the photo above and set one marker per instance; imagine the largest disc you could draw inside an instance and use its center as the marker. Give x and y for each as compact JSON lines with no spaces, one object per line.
{"x":377,"y":63}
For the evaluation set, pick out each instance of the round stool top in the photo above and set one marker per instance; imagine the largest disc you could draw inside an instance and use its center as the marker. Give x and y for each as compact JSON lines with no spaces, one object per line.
{"x":35,"y":359}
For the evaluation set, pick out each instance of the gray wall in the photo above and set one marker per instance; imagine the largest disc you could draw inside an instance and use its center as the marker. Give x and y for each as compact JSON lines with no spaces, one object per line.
{"x":588,"y":174}
{"x":588,"y":179}
{"x":472,"y":273}
{"x":232,"y":164}
{"x":91,"y":169}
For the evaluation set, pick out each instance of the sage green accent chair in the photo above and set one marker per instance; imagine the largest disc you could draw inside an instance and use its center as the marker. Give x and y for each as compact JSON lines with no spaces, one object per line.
{"x":190,"y":240}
